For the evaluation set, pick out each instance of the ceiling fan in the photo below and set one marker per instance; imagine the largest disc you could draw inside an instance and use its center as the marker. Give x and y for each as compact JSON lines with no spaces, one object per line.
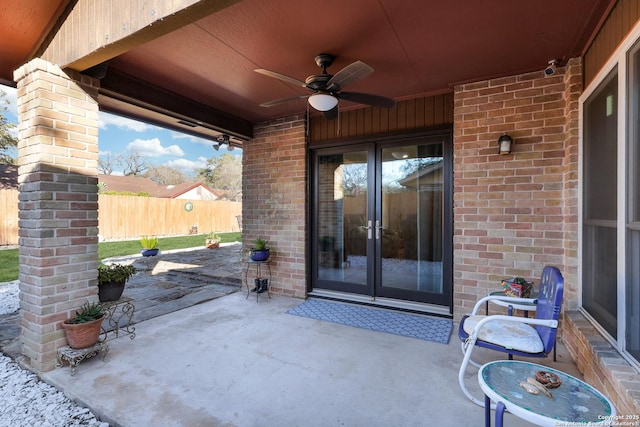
{"x":327,"y":88}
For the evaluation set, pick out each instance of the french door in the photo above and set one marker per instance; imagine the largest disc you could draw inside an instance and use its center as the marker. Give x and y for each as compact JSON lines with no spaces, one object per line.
{"x":382,"y":220}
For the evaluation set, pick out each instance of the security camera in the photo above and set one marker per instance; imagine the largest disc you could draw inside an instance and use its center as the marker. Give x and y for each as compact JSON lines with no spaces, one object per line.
{"x":551,"y":68}
{"x":219,"y":141}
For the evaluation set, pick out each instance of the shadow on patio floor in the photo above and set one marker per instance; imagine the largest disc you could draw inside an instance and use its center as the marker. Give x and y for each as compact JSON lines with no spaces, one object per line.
{"x":165,"y":283}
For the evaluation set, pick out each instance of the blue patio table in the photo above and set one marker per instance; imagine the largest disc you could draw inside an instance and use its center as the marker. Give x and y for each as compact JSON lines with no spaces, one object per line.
{"x":575,"y":402}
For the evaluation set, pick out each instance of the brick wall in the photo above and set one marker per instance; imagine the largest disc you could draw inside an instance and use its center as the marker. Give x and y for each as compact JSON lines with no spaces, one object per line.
{"x":58,"y":218}
{"x":514,"y":214}
{"x":274,"y":188}
{"x":602,"y":366}
{"x":571,"y":213}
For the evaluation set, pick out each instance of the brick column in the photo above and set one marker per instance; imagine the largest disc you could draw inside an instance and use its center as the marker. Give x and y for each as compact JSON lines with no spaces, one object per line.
{"x":58,"y":217}
{"x":573,"y":90}
{"x":274,"y":197}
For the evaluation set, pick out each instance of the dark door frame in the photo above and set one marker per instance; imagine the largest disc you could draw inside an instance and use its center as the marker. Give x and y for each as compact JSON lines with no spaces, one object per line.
{"x":400,"y":138}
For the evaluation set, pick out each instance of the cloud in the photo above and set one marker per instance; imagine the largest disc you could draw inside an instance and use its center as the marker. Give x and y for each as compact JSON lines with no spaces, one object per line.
{"x":191,"y":138}
{"x":106,"y":119}
{"x":192,"y":165}
{"x":153,"y":148}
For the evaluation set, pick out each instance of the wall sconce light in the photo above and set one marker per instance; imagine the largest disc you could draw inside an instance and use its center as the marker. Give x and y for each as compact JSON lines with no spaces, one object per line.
{"x":504,"y":144}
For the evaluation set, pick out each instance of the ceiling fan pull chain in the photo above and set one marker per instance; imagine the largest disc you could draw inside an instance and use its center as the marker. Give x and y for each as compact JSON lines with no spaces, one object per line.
{"x":307,"y":121}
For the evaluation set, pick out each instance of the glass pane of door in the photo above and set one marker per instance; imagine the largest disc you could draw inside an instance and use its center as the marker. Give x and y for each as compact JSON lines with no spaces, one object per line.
{"x":343,"y":236}
{"x":411,"y":225}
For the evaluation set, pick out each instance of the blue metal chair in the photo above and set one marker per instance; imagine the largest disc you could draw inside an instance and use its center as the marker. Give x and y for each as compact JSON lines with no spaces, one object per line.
{"x":518,"y":336}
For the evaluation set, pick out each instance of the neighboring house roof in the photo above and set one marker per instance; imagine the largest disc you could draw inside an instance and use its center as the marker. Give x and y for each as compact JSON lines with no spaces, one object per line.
{"x":428,"y":178}
{"x":190,"y":190}
{"x":8,"y":177}
{"x":132,"y":184}
{"x":136,"y":184}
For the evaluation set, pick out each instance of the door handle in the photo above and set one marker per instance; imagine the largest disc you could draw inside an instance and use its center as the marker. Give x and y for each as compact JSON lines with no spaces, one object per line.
{"x":369,"y":230}
{"x":378,"y":229}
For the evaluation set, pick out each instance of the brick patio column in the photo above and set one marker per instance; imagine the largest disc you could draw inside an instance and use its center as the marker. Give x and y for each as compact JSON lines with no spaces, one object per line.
{"x":58,"y":218}
{"x":274,"y":189}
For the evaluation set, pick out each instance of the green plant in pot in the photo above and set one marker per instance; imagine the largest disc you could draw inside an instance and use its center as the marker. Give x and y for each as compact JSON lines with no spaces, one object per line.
{"x":260,"y":250}
{"x":149,"y":246}
{"x":111,"y":280}
{"x":83,"y":330}
{"x":212,"y":241}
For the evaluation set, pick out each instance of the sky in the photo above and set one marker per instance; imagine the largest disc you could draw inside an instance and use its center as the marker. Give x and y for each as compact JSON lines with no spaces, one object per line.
{"x":159,"y":146}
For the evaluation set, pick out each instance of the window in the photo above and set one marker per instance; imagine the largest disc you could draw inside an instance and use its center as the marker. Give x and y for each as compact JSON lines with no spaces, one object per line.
{"x":599,"y":278}
{"x":610,"y":233}
{"x":632,"y":231}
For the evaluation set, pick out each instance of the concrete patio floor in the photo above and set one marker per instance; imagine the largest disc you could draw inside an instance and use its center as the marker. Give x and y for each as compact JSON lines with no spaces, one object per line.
{"x":237,"y":362}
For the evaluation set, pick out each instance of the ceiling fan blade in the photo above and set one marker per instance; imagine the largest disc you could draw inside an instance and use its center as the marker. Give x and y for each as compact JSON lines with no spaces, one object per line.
{"x":348,"y":75}
{"x":331,"y":114}
{"x":282,"y":100}
{"x":368,"y":99}
{"x":281,"y":77}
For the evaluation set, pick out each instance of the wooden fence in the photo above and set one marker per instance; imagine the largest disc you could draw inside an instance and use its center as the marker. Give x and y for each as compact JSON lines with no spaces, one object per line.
{"x":9,"y":215}
{"x":129,"y":217}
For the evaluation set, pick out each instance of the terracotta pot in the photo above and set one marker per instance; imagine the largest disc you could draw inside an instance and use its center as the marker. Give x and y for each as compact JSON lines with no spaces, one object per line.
{"x":110,"y":291}
{"x":82,"y":335}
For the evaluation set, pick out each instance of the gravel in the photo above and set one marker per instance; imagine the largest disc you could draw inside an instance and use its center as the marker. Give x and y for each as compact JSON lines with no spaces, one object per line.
{"x":9,"y":297}
{"x":26,"y":400}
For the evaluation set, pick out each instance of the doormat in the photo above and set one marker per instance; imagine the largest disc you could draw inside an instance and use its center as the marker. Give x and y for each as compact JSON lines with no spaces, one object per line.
{"x":392,"y":322}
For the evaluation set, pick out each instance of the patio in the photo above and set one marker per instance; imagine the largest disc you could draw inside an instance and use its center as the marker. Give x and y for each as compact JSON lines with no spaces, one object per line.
{"x":232,"y":361}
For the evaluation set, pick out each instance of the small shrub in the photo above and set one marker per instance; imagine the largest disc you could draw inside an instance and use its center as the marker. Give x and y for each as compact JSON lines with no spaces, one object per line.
{"x":118,"y":273}
{"x":260,"y":244}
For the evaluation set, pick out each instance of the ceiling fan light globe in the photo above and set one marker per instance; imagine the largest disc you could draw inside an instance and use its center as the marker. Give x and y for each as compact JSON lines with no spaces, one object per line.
{"x":323,"y":101}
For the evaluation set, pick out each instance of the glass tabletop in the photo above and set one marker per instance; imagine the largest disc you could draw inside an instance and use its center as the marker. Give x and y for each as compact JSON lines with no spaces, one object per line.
{"x":573,"y":401}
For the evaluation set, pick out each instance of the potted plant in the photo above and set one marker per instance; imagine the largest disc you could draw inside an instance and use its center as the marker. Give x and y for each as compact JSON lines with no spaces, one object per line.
{"x":212,"y":241}
{"x":517,"y":287}
{"x":83,"y":330}
{"x":111,"y":280}
{"x":149,"y":246}
{"x":260,"y":250}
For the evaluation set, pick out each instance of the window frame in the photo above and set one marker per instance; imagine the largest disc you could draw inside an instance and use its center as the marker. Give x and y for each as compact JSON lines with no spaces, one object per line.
{"x":620,"y":59}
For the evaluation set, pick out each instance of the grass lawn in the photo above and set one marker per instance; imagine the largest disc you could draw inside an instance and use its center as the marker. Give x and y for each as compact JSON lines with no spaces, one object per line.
{"x":9,"y":257}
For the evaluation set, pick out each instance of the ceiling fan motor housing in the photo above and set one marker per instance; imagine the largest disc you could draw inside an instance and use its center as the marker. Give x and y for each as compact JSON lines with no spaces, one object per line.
{"x":324,"y":60}
{"x":318,"y":81}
